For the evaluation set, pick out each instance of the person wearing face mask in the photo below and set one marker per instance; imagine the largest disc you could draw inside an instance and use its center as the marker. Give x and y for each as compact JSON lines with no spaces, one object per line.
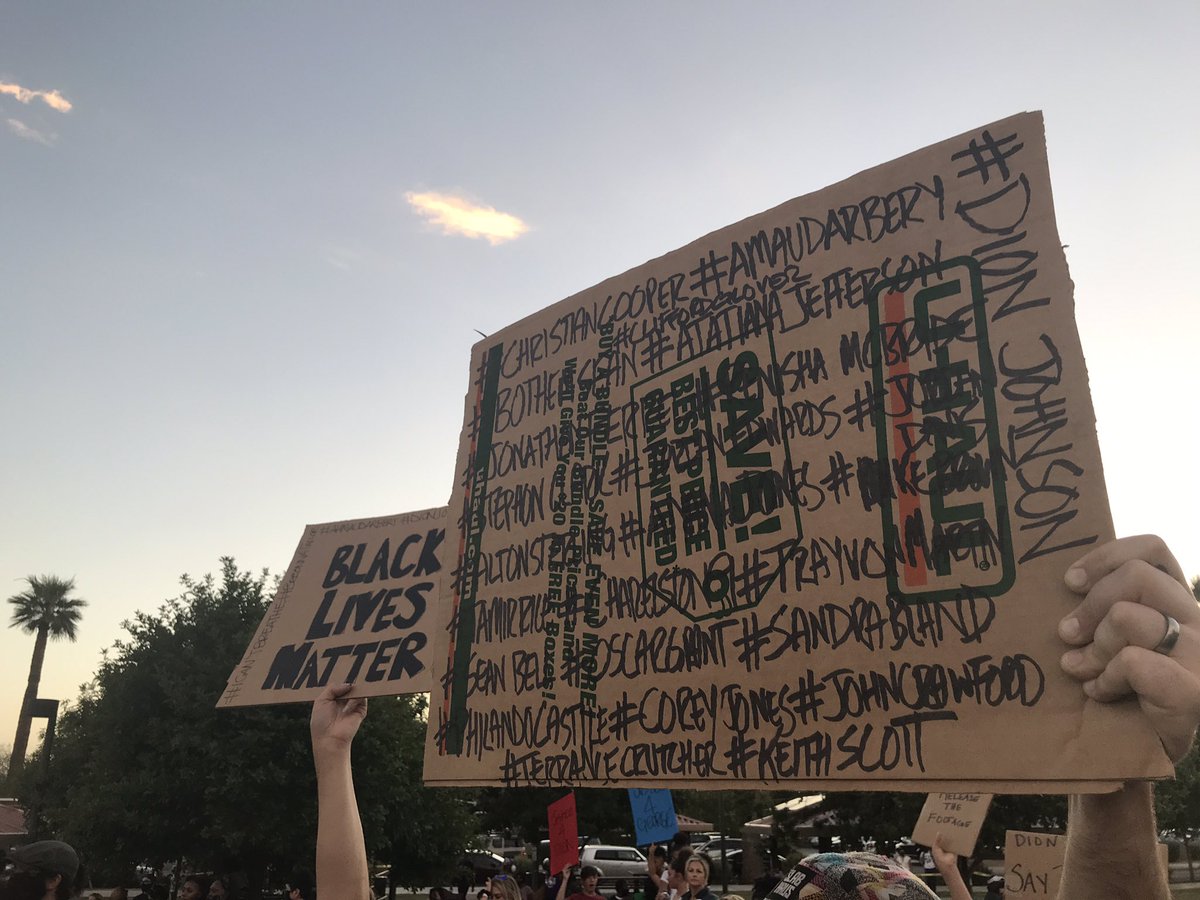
{"x":44,"y":870}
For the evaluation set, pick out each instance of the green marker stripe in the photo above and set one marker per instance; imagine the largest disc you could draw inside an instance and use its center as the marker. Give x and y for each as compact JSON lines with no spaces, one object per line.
{"x":456,"y":725}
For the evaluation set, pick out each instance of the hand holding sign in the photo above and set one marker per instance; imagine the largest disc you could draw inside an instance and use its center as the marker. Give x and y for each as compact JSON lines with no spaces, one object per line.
{"x":957,"y":817}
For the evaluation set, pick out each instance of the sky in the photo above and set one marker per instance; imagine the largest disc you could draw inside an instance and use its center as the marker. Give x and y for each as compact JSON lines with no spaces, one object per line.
{"x":245,"y":248}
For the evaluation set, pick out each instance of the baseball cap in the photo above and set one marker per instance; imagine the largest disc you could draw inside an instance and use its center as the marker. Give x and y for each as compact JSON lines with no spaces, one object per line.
{"x":850,"y":876}
{"x":51,"y":857}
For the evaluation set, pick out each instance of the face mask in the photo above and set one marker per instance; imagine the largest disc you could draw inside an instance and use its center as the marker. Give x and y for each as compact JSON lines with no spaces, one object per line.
{"x":24,"y":886}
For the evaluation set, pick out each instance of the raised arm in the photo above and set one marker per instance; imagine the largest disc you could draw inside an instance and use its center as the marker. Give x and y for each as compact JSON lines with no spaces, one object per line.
{"x":341,"y":853}
{"x":947,"y":864}
{"x":1136,"y":632}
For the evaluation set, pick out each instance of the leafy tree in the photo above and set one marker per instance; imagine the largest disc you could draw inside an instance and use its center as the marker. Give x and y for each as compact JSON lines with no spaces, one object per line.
{"x":48,"y":610}
{"x":145,"y":766}
{"x":1177,"y":805}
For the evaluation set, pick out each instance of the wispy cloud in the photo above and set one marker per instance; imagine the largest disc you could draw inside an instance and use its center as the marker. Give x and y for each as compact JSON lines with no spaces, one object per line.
{"x":52,"y":99}
{"x":21,"y":130}
{"x":456,"y":215}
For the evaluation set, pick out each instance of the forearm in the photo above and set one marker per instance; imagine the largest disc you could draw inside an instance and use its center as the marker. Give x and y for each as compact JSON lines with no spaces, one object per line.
{"x":954,"y":882}
{"x":1112,"y":847}
{"x":341,"y":851}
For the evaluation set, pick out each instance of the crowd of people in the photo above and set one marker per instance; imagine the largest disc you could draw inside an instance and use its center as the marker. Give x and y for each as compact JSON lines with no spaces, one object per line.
{"x":1135,"y":631}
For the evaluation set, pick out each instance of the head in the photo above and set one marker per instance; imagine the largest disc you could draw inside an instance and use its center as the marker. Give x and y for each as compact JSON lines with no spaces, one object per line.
{"x":589,"y":876}
{"x":504,"y":887}
{"x":696,"y":872}
{"x":43,"y":870}
{"x":622,"y":887}
{"x":483,"y":895}
{"x":118,"y":893}
{"x":193,"y":888}
{"x":675,"y":878}
{"x":851,"y":876}
{"x":218,"y":889}
{"x":660,"y":855}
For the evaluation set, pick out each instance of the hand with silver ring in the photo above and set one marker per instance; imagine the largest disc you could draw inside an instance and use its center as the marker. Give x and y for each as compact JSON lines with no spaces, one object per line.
{"x":1170,"y":637}
{"x":1130,"y":588}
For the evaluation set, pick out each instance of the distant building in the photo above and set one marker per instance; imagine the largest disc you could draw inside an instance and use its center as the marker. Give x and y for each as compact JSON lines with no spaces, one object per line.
{"x":12,"y":824}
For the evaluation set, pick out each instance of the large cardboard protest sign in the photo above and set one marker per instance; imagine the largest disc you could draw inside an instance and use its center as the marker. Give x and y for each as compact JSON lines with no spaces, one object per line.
{"x":957,"y":817}
{"x":1033,"y":863}
{"x":790,"y":505}
{"x":358,"y":603}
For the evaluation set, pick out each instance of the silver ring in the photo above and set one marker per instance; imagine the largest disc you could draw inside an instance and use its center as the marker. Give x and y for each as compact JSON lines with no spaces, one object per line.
{"x":1170,"y":638}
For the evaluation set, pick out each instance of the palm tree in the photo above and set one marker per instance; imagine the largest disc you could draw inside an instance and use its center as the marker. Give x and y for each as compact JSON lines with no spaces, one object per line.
{"x":47,"y":610}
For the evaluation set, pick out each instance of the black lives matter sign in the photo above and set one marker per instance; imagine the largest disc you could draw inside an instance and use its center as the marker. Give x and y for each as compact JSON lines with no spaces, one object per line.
{"x":358,"y":604}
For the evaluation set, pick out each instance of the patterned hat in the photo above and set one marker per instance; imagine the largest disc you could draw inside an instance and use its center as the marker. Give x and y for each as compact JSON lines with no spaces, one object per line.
{"x":850,"y":876}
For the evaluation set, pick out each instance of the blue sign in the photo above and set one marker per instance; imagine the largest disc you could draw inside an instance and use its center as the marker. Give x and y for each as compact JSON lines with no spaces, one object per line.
{"x":654,"y":819}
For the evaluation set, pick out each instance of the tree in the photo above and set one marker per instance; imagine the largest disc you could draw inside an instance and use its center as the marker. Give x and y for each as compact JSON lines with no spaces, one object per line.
{"x":47,"y":610}
{"x":1177,"y":805}
{"x":145,"y":766}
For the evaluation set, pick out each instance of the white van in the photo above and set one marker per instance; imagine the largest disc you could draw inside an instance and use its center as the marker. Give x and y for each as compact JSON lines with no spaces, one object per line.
{"x":614,"y":862}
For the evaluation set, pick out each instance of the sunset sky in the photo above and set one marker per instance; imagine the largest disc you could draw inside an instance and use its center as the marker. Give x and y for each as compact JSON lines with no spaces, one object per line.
{"x":245,"y":248}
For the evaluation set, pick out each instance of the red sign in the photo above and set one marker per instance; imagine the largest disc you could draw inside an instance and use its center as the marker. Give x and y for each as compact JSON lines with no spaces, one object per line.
{"x":564,"y":833}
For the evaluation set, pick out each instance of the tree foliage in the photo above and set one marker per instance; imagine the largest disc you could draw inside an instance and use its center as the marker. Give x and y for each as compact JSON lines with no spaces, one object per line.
{"x":145,"y":766}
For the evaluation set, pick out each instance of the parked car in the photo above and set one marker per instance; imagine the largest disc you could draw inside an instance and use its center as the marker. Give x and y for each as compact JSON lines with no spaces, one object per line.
{"x":713,"y":847}
{"x":482,"y":863}
{"x":613,"y":861}
{"x":733,"y":859}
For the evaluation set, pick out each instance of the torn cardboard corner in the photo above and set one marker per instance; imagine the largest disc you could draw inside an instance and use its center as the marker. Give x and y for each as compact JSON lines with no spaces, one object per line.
{"x":790,"y":506}
{"x":358,"y":604}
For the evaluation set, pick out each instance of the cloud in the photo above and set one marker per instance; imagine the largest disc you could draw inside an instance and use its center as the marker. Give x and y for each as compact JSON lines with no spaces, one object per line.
{"x":52,"y":99}
{"x":21,"y":130}
{"x":454,"y":215}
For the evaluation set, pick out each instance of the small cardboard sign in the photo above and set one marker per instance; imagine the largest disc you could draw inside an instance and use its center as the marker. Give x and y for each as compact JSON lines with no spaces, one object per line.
{"x":1033,"y":863}
{"x":958,"y":817}
{"x":654,"y":819}
{"x":564,"y":833}
{"x":355,"y":605}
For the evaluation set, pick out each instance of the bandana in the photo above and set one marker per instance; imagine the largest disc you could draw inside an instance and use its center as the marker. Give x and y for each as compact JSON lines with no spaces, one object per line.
{"x":850,"y":876}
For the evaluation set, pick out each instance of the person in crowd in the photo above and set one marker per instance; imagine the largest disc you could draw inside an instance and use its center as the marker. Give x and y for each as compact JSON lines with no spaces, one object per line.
{"x":995,"y":888}
{"x":621,"y":890}
{"x":1135,"y":631}
{"x":118,"y":893}
{"x":696,"y":873}
{"x":657,"y":869}
{"x":193,"y":888}
{"x":43,"y":870}
{"x":300,"y":886}
{"x":483,"y":894}
{"x":504,"y":887}
{"x":676,"y":877}
{"x":218,"y":889}
{"x":947,"y":864}
{"x":929,"y":868}
{"x":95,"y":895}
{"x":589,"y":877}
{"x":341,"y":852}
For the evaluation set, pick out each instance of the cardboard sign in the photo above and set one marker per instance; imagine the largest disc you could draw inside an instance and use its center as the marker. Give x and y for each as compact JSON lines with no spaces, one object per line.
{"x":357,"y":604}
{"x":1033,"y":863}
{"x":564,"y":833}
{"x":790,"y":506}
{"x":957,"y":817}
{"x":654,"y":820}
